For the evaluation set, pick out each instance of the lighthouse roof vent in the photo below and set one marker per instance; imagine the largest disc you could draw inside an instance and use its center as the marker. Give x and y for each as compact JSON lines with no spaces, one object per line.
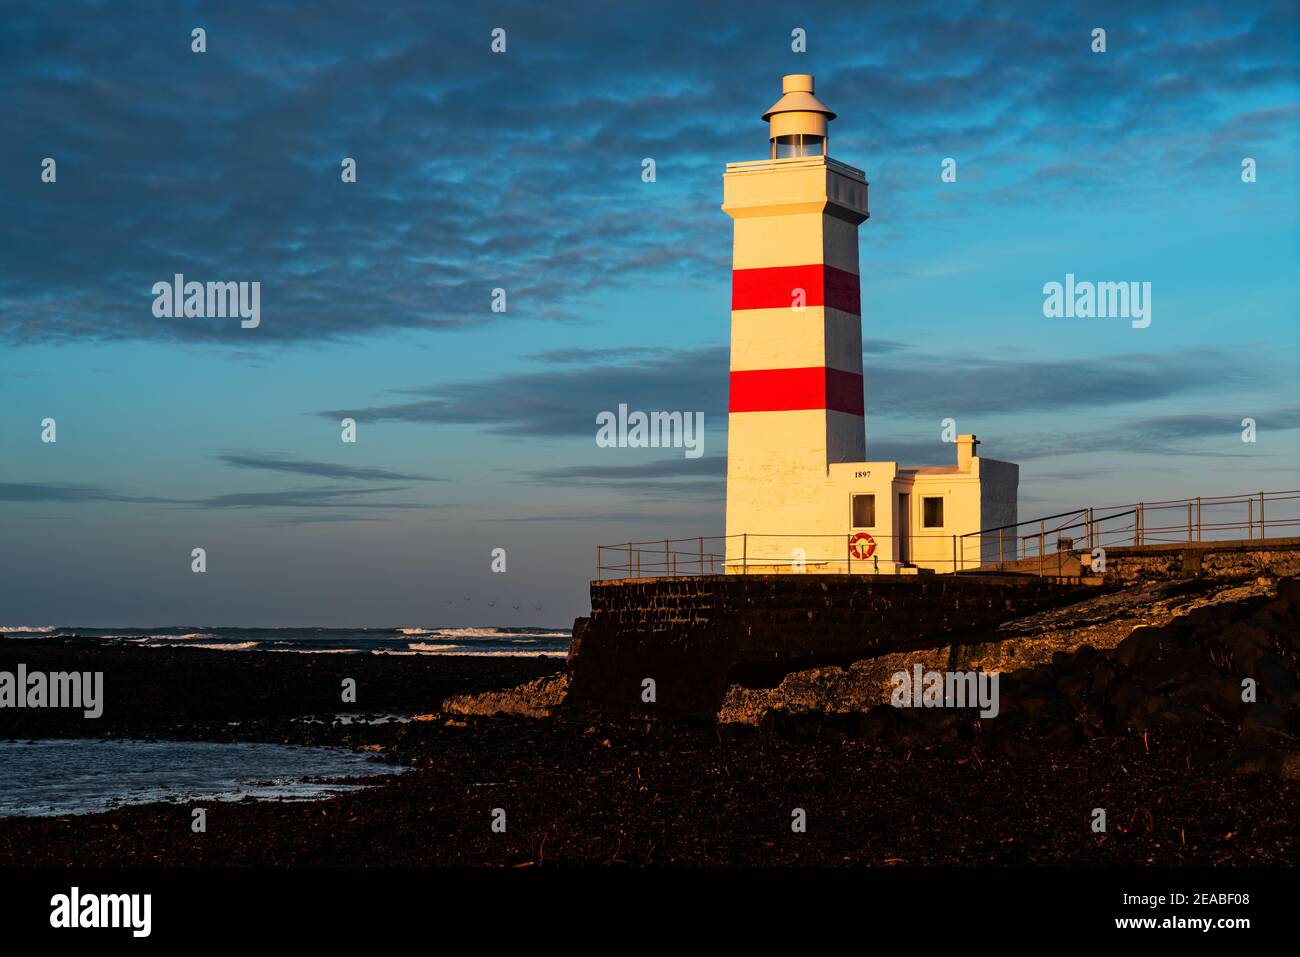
{"x":798,"y":98}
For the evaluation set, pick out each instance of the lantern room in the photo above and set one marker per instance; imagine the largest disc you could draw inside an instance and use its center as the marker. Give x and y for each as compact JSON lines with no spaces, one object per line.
{"x":798,"y":121}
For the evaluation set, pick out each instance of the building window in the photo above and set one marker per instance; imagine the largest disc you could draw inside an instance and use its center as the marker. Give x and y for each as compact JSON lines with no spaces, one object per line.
{"x":932,"y":512}
{"x":864,"y":511}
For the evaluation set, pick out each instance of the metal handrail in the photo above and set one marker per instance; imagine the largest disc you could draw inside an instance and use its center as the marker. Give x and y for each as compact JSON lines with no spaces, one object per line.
{"x":671,"y":556}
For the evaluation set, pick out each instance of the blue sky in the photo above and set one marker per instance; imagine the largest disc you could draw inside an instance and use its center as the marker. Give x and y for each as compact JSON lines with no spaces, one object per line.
{"x":522,"y":170}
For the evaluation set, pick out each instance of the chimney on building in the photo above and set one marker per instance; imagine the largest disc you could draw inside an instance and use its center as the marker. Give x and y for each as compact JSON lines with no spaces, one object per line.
{"x":965,"y":451}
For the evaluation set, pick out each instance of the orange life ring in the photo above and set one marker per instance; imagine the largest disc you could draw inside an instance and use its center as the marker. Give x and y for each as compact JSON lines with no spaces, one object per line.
{"x":862,"y":545}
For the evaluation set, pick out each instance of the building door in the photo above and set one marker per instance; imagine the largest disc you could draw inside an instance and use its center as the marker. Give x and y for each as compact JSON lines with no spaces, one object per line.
{"x":903,"y":525}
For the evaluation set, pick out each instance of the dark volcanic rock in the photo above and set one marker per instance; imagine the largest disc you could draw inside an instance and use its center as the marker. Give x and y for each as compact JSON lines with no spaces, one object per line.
{"x":1141,"y":645}
{"x":1189,"y":673}
{"x":192,"y":693}
{"x":881,"y":786}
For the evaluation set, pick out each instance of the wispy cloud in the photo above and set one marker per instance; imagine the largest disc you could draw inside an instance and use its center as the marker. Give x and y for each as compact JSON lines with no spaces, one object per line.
{"x":713,"y":466}
{"x":677,"y":479}
{"x":549,"y":403}
{"x":565,"y":402}
{"x":274,"y":462}
{"x":1207,"y":435}
{"x":57,"y":492}
{"x":343,"y":497}
{"x":308,"y":498}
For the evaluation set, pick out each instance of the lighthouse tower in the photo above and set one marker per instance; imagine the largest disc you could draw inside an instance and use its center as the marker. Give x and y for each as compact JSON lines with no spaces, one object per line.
{"x":800,"y":495}
{"x":796,"y":401}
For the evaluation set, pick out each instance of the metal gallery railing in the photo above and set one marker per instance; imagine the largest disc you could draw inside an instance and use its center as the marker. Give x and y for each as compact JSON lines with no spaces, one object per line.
{"x":1034,"y":545}
{"x":1243,"y":517}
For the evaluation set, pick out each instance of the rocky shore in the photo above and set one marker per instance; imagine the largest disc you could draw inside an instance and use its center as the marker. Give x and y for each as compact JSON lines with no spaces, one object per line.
{"x":1130,"y":702}
{"x":195,"y":694}
{"x":575,"y":793}
{"x":1101,"y":622}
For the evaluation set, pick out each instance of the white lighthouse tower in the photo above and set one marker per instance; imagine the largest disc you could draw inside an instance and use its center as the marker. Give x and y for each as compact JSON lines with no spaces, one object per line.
{"x":800,"y":496}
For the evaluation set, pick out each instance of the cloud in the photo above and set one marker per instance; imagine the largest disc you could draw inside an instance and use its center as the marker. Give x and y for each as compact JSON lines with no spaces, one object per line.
{"x":1216,"y":435}
{"x":1206,"y":434}
{"x":564,"y":403}
{"x":878,"y":347}
{"x":523,"y":170}
{"x":54,"y":492}
{"x":670,"y":478}
{"x":274,"y":462}
{"x":636,"y":516}
{"x":308,"y":498}
{"x":351,"y":497}
{"x":295,"y":521}
{"x":579,"y":356}
{"x":714,"y":466}
{"x":948,"y":386}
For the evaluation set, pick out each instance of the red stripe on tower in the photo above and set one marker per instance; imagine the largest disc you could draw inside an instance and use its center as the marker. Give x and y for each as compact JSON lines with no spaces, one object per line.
{"x":773,"y":288}
{"x":789,"y":390}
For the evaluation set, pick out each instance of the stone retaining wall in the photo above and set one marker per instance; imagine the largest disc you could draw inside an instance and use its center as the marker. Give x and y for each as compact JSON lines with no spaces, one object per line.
{"x":1279,"y":557}
{"x":690,"y":634}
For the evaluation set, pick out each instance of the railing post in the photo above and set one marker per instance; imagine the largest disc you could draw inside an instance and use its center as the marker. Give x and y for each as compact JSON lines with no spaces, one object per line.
{"x":597,"y":563}
{"x":1198,"y":518}
{"x":1189,"y":522}
{"x":1262,"y":533}
{"x":629,"y":559}
{"x":1137,"y":524}
{"x":744,"y":554}
{"x":1042,"y":537}
{"x":667,"y":573}
{"x":1000,"y":566}
{"x":954,"y":554}
{"x":1250,"y":519}
{"x":702,"y":554}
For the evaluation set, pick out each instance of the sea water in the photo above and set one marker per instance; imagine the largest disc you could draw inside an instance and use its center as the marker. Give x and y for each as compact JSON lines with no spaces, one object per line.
{"x":424,"y":640}
{"x":86,"y":775}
